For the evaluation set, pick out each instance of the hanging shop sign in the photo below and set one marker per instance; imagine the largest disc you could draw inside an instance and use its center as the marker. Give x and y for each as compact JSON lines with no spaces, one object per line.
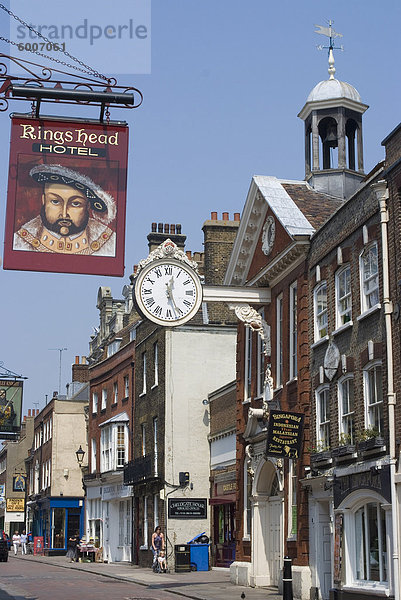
{"x":10,"y":408}
{"x":284,"y":434}
{"x":15,"y":504}
{"x":66,"y":196}
{"x":19,"y":483}
{"x":187,"y":508}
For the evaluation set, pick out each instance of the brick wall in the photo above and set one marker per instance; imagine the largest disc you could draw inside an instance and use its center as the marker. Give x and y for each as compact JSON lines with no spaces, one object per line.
{"x":219,"y":236}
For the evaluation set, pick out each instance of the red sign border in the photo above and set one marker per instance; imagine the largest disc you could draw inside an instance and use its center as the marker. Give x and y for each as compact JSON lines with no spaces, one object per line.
{"x":60,"y":263}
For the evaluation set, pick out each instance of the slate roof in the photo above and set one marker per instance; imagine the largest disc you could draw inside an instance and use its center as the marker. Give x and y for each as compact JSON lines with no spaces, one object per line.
{"x":316,"y":207}
{"x":286,"y":210}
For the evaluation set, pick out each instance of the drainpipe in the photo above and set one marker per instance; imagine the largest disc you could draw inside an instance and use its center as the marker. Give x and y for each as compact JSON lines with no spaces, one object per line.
{"x":380,"y":189}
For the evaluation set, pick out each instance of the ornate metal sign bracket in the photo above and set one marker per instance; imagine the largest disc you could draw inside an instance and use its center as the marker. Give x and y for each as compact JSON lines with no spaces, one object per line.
{"x":83,"y":90}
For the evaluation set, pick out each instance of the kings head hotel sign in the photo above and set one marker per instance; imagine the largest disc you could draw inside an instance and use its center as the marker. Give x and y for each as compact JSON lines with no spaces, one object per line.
{"x":284,"y":434}
{"x":66,"y":197}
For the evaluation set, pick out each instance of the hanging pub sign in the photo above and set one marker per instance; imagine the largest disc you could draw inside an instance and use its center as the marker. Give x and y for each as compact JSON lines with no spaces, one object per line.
{"x":19,"y":483}
{"x":10,"y":408}
{"x":66,"y":196}
{"x":284,"y":434}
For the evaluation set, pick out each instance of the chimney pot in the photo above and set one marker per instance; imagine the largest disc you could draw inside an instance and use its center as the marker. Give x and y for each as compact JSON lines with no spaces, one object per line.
{"x":225,"y":216}
{"x":135,"y":269}
{"x":236,"y":216}
{"x":166,"y":228}
{"x":154,"y":227}
{"x":178,"y":228}
{"x":77,"y":360}
{"x":84,"y":360}
{"x":172,"y":229}
{"x":29,"y":412}
{"x":188,"y":253}
{"x":214,"y":216}
{"x":160,"y":228}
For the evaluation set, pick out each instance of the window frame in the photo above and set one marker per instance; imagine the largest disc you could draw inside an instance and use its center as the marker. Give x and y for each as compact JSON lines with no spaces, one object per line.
{"x":156,"y":364}
{"x":320,"y":332}
{"x":367,"y":293}
{"x":279,"y":341}
{"x":104,"y":399}
{"x":293,"y":322}
{"x":372,"y":366}
{"x":349,"y":508}
{"x":110,"y":447}
{"x":323,"y":442}
{"x":260,"y":362}
{"x":143,"y":374}
{"x":345,"y":380}
{"x":343,"y":317}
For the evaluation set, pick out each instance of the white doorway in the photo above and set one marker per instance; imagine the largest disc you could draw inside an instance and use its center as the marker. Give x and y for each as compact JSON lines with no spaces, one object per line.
{"x":323,"y":546}
{"x":267,"y":527}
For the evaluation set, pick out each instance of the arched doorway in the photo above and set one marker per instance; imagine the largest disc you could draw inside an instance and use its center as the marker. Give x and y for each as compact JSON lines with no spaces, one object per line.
{"x":267,"y":526}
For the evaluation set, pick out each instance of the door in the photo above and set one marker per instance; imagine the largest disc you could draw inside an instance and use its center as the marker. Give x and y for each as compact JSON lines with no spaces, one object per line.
{"x":73,"y":523}
{"x":324,"y":549}
{"x":274,"y":547}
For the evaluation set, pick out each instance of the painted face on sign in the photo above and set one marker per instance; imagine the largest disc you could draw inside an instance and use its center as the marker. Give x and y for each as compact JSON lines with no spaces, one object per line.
{"x":65,"y":210}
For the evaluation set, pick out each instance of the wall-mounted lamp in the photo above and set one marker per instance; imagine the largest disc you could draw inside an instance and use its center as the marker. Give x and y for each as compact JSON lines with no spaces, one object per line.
{"x":80,"y":455}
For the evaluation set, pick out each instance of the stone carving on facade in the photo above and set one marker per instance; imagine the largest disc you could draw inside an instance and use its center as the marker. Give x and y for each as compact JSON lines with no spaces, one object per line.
{"x":168,"y":249}
{"x":250,"y":455}
{"x":251,"y":318}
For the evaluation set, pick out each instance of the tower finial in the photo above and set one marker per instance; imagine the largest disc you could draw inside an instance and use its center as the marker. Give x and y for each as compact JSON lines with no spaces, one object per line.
{"x":331,"y":34}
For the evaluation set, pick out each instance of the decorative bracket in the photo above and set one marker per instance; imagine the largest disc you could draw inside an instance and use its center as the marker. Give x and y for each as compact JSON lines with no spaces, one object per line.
{"x":83,"y":90}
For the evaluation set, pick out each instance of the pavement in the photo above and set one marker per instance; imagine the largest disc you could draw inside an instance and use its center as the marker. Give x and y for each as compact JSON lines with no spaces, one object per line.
{"x":197,"y":585}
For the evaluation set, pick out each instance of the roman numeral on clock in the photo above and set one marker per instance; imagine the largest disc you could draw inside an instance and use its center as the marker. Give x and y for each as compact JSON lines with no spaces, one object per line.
{"x":149,"y":301}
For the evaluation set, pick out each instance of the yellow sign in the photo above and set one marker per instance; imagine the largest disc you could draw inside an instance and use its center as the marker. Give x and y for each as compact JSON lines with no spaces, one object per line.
{"x":15,"y":504}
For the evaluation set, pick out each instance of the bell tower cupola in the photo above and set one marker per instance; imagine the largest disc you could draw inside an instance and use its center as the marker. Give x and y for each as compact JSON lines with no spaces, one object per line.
{"x":333,"y":132}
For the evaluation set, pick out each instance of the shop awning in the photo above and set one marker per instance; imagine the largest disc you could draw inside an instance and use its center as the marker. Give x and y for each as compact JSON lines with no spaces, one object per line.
{"x":227,"y":499}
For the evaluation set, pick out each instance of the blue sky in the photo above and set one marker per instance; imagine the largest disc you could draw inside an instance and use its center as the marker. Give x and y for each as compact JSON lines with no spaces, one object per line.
{"x":227,"y":81}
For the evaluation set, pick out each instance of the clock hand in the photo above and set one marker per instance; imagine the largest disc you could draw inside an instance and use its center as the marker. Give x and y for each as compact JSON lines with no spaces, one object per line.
{"x":170,"y":296}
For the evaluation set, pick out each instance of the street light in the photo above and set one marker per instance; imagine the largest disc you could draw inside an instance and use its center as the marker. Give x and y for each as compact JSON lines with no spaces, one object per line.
{"x":80,"y":455}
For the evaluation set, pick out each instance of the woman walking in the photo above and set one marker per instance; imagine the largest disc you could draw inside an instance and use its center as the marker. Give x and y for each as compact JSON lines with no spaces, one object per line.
{"x":16,"y":542}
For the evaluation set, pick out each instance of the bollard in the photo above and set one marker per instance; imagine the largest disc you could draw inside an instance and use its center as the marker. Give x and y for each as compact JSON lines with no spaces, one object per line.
{"x":287,"y":579}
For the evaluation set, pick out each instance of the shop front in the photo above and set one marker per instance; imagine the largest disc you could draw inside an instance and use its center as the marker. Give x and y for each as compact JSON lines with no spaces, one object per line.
{"x":56,"y":520}
{"x":223,"y":518}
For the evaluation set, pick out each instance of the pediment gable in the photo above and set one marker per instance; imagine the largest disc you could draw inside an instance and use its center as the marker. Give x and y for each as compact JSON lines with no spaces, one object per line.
{"x":267,"y":197}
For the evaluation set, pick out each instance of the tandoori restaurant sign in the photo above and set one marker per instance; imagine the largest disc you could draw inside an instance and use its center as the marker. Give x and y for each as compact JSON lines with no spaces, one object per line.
{"x":284,"y":434}
{"x":187,"y":508}
{"x":66,"y":196}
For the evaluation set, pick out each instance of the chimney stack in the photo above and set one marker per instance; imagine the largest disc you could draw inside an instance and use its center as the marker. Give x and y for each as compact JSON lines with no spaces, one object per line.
{"x":163,"y":232}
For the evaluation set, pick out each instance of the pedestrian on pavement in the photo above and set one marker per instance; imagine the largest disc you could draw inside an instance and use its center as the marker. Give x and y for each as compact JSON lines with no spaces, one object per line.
{"x":24,"y":539}
{"x":16,"y":542}
{"x":72,"y":551}
{"x":157,"y":543}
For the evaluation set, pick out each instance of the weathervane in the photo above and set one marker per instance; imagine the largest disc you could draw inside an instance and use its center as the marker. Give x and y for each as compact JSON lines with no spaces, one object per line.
{"x":331,"y":34}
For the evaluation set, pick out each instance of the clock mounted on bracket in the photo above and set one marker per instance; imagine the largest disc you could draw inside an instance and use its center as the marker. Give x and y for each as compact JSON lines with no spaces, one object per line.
{"x":167,"y":287}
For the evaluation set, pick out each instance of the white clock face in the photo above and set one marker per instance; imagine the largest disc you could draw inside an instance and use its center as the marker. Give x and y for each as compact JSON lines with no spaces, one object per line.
{"x":167,"y":292}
